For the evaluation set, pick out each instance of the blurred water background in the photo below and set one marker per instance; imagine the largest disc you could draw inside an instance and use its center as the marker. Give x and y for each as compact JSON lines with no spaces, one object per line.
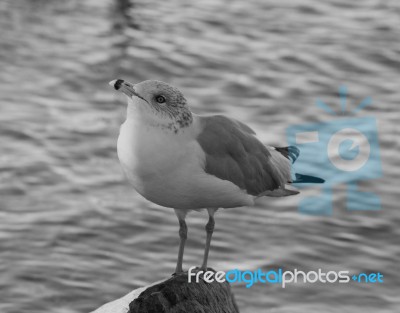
{"x":73,"y":233}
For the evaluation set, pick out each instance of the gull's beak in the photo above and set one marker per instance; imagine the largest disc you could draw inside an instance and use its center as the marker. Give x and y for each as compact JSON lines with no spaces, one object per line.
{"x":126,"y":87}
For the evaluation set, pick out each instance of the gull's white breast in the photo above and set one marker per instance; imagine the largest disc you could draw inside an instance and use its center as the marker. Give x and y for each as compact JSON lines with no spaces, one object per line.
{"x":167,"y":168}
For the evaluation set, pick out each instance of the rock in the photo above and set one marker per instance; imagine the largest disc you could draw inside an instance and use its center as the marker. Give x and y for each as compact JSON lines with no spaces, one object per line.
{"x":176,"y":295}
{"x":120,"y":305}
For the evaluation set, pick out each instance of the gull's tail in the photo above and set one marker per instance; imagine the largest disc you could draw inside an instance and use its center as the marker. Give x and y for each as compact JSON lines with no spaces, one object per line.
{"x":292,"y":153}
{"x":303,"y":179}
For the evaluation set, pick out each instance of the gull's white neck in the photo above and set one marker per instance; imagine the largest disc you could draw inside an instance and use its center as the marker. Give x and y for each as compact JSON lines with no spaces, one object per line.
{"x":149,"y":145}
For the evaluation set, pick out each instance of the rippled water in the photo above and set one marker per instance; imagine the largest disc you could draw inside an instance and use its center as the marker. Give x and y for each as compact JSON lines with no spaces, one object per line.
{"x":73,"y":234}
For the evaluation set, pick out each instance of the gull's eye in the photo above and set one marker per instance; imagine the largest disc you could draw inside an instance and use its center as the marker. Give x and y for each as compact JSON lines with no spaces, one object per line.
{"x":160,"y":99}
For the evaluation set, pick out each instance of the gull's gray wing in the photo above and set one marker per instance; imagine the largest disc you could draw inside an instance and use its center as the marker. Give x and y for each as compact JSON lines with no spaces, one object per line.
{"x":233,"y":153}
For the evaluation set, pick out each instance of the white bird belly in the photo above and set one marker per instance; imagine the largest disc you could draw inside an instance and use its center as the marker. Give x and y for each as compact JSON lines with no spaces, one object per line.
{"x":168,"y":169}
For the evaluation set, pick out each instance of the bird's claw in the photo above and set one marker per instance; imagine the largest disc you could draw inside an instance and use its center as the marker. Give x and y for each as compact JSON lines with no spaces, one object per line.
{"x":176,"y":273}
{"x":204,"y":269}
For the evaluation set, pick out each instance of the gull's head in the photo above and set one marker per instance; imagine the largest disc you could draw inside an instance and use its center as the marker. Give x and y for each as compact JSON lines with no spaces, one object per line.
{"x":157,"y":98}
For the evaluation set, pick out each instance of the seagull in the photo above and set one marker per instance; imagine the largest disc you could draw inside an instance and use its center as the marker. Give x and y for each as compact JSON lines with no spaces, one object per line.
{"x":181,"y":160}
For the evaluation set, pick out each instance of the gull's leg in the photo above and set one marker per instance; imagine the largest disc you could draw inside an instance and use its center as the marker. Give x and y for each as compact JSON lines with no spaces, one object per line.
{"x":209,"y":229}
{"x":181,"y":214}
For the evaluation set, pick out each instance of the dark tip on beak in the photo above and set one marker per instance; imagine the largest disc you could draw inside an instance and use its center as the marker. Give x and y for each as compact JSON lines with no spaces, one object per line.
{"x":118,"y":84}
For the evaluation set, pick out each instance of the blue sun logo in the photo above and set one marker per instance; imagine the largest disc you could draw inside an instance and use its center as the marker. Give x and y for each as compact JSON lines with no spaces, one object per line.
{"x":344,"y":150}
